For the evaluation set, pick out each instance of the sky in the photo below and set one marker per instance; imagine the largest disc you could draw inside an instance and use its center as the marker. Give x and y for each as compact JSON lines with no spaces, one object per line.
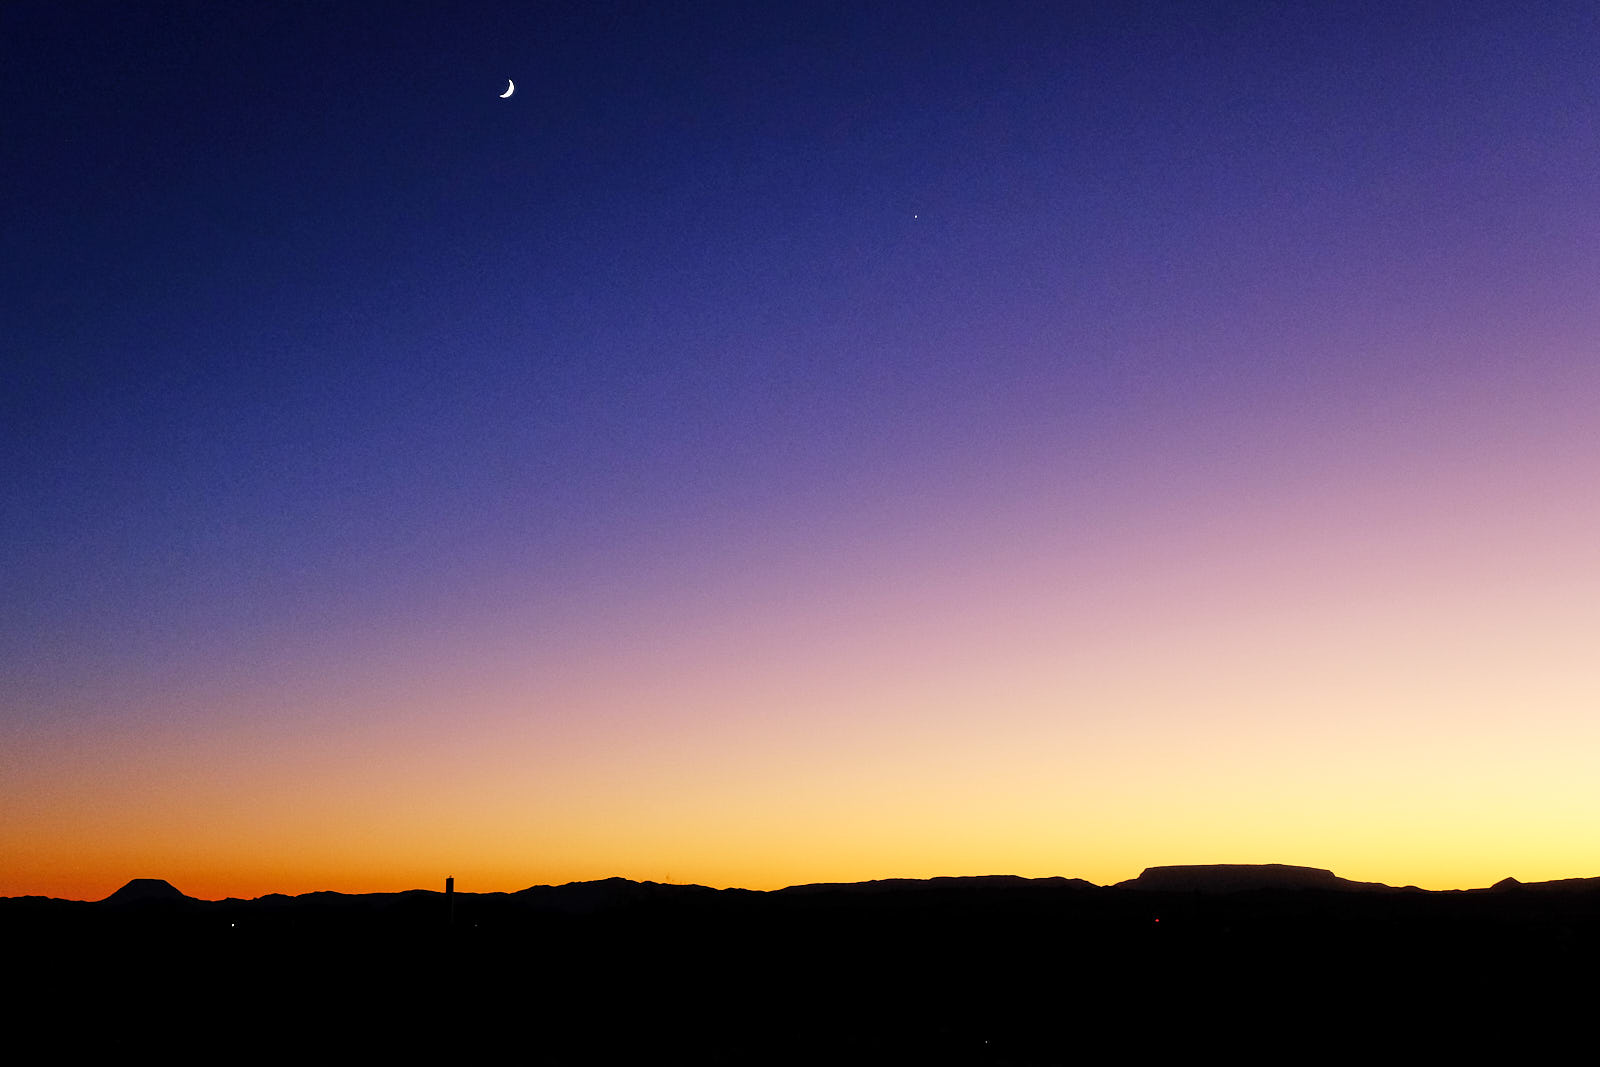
{"x":803,"y":442}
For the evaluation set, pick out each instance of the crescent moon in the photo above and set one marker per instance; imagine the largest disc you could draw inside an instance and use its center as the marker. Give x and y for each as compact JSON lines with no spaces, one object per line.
{"x":511,"y":87}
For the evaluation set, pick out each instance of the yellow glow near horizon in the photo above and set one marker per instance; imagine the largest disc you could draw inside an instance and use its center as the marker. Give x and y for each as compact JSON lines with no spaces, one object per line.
{"x":1404,"y":698}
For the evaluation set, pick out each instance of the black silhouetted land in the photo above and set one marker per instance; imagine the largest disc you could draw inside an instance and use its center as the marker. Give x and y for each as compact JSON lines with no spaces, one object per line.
{"x":1225,"y":958}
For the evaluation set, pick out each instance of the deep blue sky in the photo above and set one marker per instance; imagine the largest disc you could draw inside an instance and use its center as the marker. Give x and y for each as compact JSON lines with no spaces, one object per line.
{"x":293,"y":300}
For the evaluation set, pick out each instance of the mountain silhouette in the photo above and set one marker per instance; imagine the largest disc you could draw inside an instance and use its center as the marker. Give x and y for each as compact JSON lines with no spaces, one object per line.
{"x":147,"y":890}
{"x":956,"y":970}
{"x":579,"y":898}
{"x":1242,"y":877}
{"x":607,"y":894}
{"x":941,"y":883}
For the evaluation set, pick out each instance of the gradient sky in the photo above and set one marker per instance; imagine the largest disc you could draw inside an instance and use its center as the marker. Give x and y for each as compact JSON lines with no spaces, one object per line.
{"x":796,"y":442}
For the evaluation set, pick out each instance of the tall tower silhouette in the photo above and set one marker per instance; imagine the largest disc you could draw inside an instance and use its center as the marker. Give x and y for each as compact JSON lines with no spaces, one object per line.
{"x":450,"y":900}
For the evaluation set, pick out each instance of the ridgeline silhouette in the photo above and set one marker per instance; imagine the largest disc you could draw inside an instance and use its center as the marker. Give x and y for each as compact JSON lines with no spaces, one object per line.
{"x":995,"y":969}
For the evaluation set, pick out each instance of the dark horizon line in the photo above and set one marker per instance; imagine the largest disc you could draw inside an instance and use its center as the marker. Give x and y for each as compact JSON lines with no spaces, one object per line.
{"x":1216,"y":876}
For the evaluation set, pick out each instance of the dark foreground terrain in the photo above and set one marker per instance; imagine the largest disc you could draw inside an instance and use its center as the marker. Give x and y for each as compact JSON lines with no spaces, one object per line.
{"x":1252,"y":963}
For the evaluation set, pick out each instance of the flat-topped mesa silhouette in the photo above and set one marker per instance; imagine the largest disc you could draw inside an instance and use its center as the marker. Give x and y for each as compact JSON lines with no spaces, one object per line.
{"x":1243,"y":877}
{"x":146,"y":890}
